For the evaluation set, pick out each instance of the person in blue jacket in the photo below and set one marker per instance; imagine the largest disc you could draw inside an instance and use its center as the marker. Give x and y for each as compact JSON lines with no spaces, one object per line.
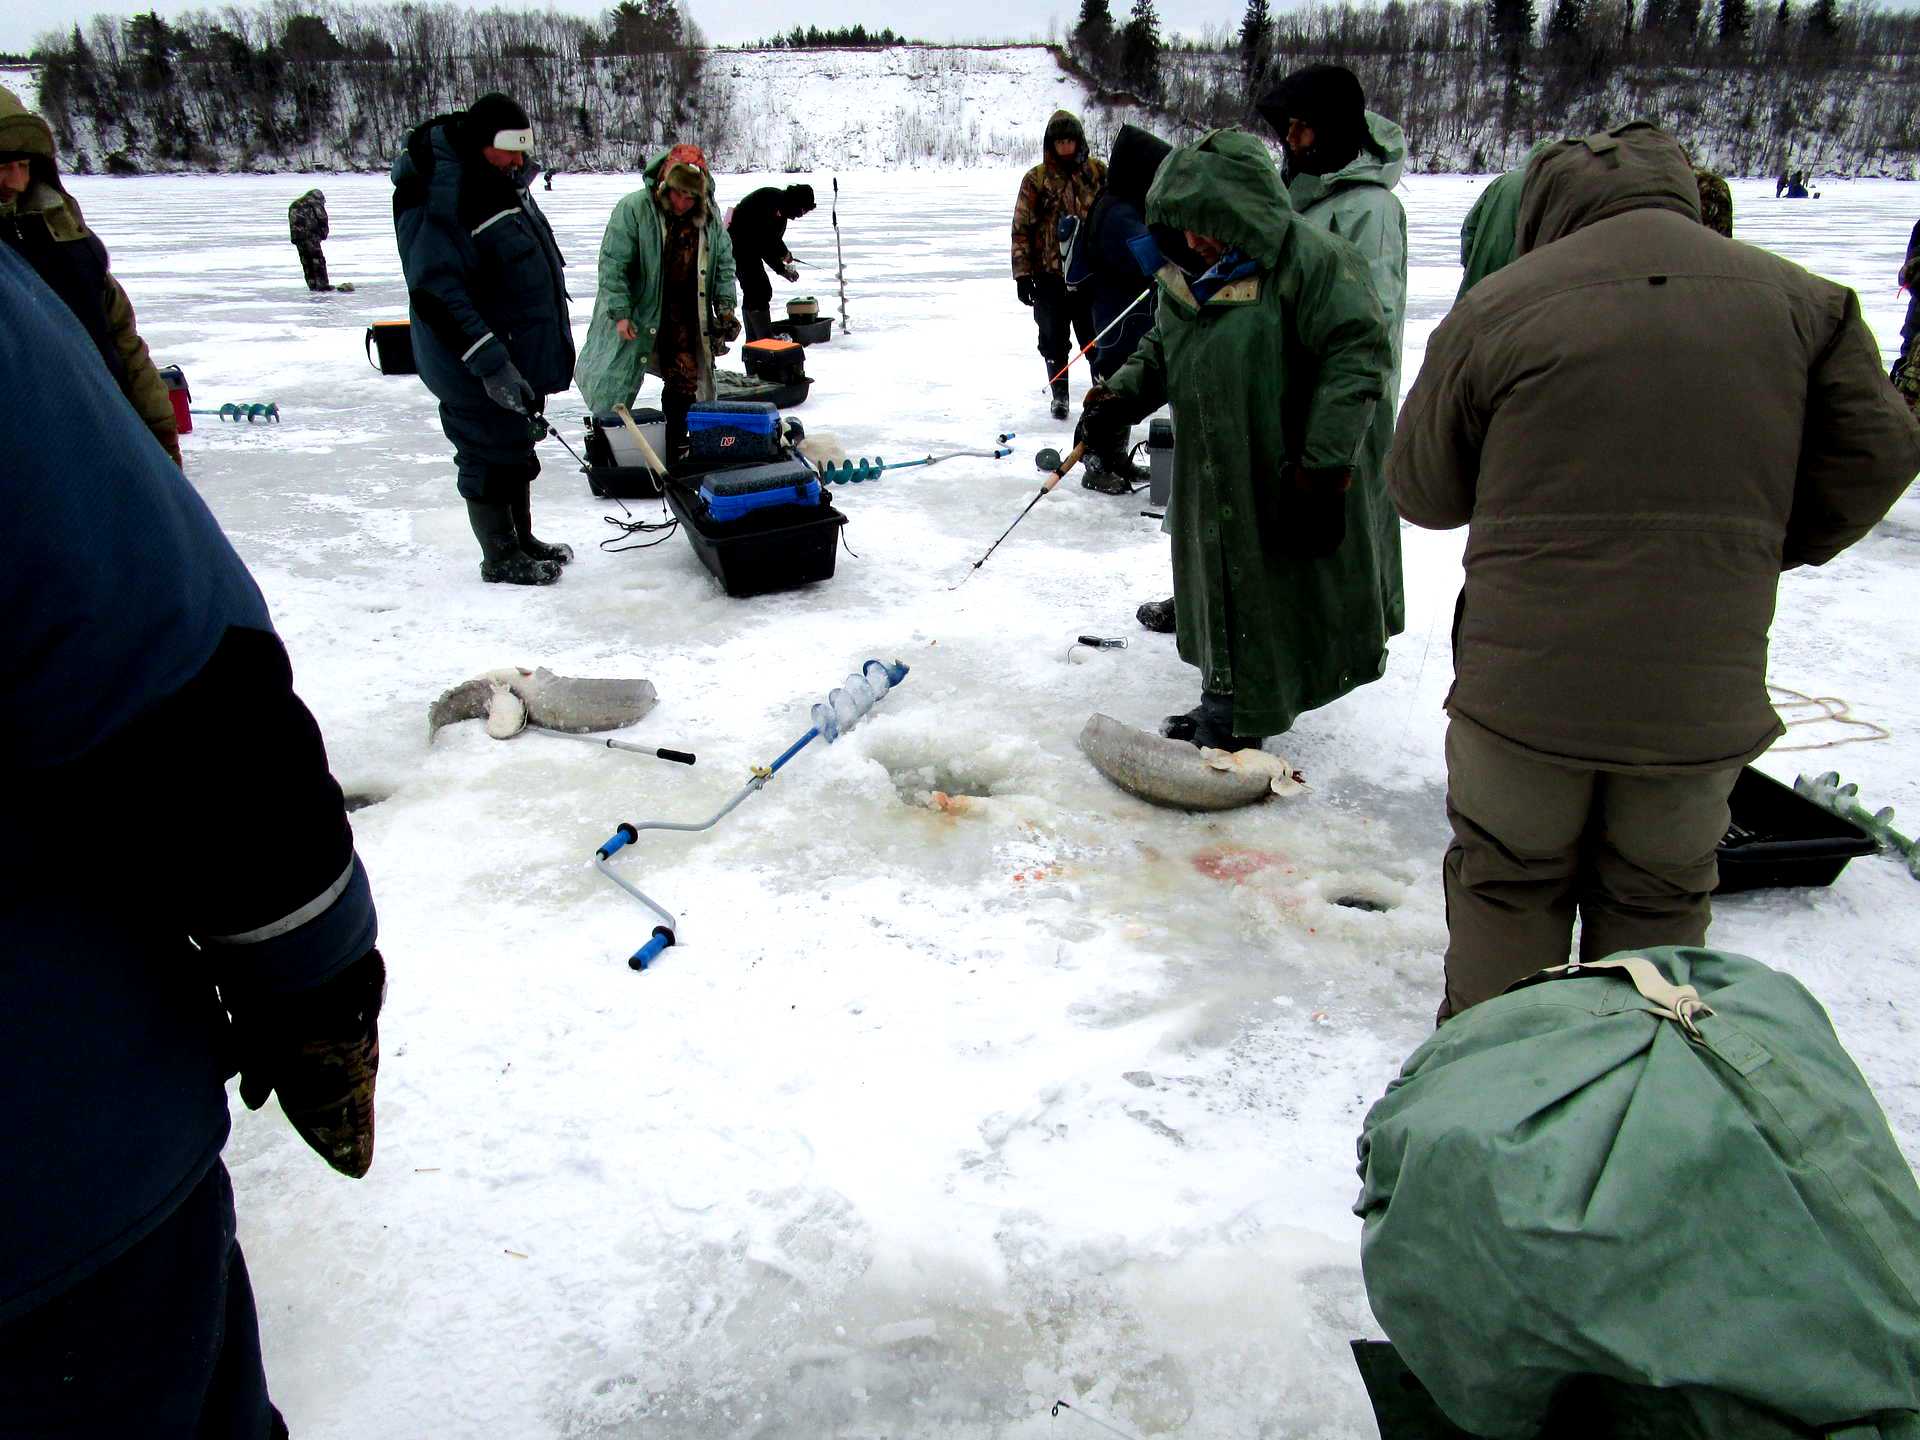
{"x":491,"y":331}
{"x":180,"y":898}
{"x":1115,"y":261}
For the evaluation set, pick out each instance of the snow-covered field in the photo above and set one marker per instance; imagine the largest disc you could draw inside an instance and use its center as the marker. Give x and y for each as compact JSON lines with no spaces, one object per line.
{"x":933,"y":1118}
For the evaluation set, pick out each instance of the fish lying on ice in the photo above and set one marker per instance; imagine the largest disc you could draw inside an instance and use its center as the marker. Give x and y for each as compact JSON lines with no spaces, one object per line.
{"x":1181,"y":776}
{"x":513,"y":698}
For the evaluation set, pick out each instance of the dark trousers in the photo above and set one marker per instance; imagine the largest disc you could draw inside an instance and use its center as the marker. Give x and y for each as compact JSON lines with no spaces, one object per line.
{"x":162,"y":1343}
{"x":1062,"y":317}
{"x":314,"y":264}
{"x":756,"y":287}
{"x":495,"y":482}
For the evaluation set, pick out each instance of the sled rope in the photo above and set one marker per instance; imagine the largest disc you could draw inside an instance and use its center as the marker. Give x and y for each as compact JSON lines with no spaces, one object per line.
{"x":1832,"y":708}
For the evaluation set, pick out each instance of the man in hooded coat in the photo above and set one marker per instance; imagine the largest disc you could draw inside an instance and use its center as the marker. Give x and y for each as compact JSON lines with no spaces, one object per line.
{"x":666,"y":302}
{"x":307,"y":227}
{"x":491,"y":331}
{"x":1272,"y":349}
{"x":757,"y":230}
{"x":1342,"y":162}
{"x":43,"y":224}
{"x":1642,"y":424}
{"x":1064,"y":183}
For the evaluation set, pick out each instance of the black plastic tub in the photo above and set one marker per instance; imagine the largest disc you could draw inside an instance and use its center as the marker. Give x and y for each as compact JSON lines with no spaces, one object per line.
{"x":1781,"y":838}
{"x":766,"y":551}
{"x":390,"y":347}
{"x":805,"y":332}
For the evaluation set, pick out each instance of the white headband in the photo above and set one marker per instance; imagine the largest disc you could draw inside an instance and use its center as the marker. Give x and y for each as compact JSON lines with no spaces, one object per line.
{"x":521,"y":140}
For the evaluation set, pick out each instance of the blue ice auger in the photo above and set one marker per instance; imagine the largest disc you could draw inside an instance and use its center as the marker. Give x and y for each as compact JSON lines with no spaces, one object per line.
{"x":248,"y":411}
{"x":832,"y":718}
{"x":853,"y":472}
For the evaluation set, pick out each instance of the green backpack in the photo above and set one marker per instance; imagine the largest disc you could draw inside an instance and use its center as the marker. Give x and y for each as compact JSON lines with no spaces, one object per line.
{"x":1657,"y":1179}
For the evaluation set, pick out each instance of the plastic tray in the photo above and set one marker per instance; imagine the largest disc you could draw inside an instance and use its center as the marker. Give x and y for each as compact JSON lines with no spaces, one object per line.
{"x":1782,"y":838}
{"x":766,"y":552}
{"x":805,"y":332}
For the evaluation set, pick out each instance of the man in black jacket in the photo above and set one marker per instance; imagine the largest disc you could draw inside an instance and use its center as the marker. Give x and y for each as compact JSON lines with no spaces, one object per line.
{"x":758,"y":230}
{"x":180,"y":898}
{"x":491,"y":331}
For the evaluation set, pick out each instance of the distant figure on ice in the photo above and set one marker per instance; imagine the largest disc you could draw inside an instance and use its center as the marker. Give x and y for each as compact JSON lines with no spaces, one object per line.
{"x":1780,"y":185}
{"x":1342,"y":162}
{"x":43,"y":225}
{"x":1272,"y":350}
{"x":491,"y":333}
{"x":1114,"y":263}
{"x":1797,"y":186}
{"x":307,"y":227}
{"x":1610,"y":647}
{"x":757,"y":230}
{"x":666,"y":303}
{"x":142,"y":678}
{"x":1064,"y":183}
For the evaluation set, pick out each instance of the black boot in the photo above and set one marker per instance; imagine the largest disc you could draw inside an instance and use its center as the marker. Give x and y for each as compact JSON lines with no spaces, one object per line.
{"x":1109,"y":474}
{"x":523,"y":530}
{"x":673,"y":409}
{"x":1210,"y":725}
{"x":759,"y":322}
{"x":501,"y":559}
{"x":1158,"y":616}
{"x":1059,"y":394}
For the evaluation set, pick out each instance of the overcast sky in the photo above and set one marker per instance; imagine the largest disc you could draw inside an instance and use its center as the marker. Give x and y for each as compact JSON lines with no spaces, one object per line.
{"x":734,"y":22}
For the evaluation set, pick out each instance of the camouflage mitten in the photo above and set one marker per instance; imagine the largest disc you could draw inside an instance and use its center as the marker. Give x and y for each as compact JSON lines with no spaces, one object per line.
{"x":1906,"y":379}
{"x":320,"y":1049}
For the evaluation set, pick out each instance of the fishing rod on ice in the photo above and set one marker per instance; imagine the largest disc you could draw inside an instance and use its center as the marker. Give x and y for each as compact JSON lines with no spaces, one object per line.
{"x":843,"y":708}
{"x":1049,"y":460}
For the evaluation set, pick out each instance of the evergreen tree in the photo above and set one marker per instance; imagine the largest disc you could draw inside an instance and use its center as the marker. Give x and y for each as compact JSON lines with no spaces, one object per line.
{"x":1823,"y":21}
{"x":1093,"y":38}
{"x":1736,"y":21}
{"x":1256,"y":39}
{"x":1140,"y":47}
{"x":1567,"y":28}
{"x":1511,"y":23}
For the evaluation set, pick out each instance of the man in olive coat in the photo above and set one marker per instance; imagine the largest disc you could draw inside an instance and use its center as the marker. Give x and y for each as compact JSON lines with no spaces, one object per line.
{"x":1273,"y":351}
{"x":1643,"y":424}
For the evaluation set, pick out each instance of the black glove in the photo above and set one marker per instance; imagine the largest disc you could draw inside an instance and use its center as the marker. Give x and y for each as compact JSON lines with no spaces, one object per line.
{"x":790,"y":270}
{"x":1313,"y":504}
{"x":1105,"y":419}
{"x":508,"y":389}
{"x":1023,"y":286}
{"x":320,"y":1049}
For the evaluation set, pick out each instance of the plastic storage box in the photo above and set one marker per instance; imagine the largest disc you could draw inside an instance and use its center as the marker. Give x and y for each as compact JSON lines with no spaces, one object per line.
{"x":1779,"y":838}
{"x":615,"y":467}
{"x":1159,"y":463}
{"x":733,"y":494}
{"x":390,"y":347}
{"x":803,"y":307}
{"x":781,"y":361}
{"x":180,"y":396}
{"x":734,"y":430}
{"x":765,"y":552}
{"x":805,"y":332}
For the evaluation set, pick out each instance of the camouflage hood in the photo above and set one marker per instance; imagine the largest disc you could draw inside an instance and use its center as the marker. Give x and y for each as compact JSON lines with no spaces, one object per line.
{"x":1576,"y":183}
{"x":1065,"y":125}
{"x":21,"y":131}
{"x":1224,"y":185}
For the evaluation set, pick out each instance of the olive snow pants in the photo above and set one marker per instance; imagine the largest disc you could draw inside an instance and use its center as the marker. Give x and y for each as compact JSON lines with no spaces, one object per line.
{"x":1534,"y":843}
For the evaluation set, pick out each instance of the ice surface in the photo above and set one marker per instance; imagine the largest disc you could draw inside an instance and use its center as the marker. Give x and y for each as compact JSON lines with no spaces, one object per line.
{"x":974,"y":1083}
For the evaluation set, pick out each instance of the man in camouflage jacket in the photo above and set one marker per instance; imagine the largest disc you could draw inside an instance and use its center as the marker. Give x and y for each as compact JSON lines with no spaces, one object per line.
{"x":1065,"y":182}
{"x":307,"y":227}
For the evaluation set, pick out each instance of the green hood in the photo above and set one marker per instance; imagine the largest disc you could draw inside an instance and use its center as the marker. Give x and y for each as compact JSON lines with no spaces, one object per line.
{"x":1364,"y":169}
{"x":1580,"y":182}
{"x":21,"y":130}
{"x":1224,"y":185}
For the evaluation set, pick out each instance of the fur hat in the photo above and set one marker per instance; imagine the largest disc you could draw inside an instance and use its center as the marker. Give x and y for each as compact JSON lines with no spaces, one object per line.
{"x":686,"y":171}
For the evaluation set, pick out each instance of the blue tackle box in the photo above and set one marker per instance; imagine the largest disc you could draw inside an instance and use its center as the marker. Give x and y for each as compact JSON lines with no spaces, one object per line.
{"x":734,"y":430}
{"x":731,"y":494}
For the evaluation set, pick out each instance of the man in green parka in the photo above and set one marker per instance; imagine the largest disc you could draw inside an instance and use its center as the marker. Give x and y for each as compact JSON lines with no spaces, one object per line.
{"x":1274,"y":353}
{"x":666,"y":302}
{"x":1342,"y":162}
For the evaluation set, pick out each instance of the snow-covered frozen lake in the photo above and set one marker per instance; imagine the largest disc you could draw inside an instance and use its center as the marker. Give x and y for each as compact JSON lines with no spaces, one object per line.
{"x":933,"y":1118}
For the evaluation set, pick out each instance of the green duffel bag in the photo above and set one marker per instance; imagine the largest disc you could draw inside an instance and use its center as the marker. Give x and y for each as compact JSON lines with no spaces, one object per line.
{"x":1657,"y":1178}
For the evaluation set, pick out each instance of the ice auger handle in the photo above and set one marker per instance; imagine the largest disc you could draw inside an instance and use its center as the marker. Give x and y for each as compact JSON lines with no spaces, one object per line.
{"x":651,"y":951}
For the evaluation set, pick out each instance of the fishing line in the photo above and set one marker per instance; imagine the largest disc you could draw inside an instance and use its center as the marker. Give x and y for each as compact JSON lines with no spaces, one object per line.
{"x":1090,"y":1418}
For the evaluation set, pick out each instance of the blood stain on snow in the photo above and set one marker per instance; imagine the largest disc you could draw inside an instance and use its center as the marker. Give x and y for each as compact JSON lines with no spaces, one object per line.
{"x":1234,"y":863}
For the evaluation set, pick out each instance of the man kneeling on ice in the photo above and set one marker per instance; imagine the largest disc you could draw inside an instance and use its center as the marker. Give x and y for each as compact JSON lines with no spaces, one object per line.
{"x":1273,"y":351}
